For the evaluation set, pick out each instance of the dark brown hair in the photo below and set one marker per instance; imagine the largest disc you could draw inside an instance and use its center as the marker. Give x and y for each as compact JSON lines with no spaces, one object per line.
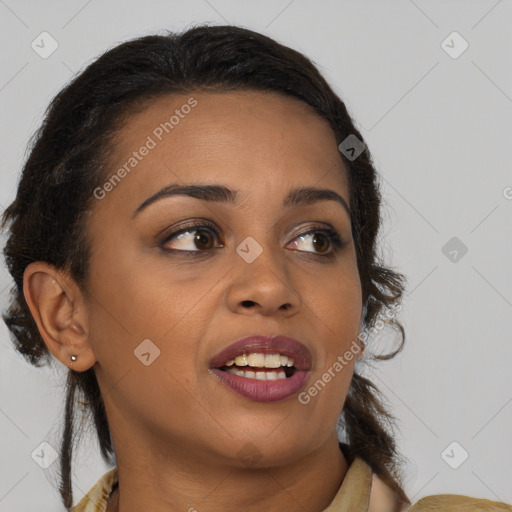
{"x":68,"y":160}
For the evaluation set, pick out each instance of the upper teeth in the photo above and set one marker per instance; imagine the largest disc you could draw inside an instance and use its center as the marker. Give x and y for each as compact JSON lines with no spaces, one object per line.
{"x":261,"y":360}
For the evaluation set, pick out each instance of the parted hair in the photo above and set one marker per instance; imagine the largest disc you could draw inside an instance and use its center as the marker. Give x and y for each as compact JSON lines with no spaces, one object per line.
{"x":68,"y":159}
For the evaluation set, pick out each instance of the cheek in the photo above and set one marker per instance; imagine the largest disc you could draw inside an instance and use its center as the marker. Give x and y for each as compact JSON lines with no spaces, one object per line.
{"x":336,"y":300}
{"x":152,"y":309}
{"x":149,"y":297}
{"x":144,"y":331}
{"x":336,"y":310}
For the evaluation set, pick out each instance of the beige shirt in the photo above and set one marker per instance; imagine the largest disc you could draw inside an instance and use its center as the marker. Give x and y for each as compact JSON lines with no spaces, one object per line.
{"x":360,"y":491}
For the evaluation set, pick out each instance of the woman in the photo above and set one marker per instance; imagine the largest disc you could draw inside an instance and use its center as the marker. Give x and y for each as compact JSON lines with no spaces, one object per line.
{"x":194,"y":235}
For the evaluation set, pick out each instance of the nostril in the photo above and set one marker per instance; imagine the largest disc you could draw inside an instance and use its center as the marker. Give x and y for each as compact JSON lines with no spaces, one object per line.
{"x":248,"y":303}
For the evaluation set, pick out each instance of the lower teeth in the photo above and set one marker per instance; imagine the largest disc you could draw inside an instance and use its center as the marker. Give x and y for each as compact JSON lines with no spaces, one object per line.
{"x":261,"y":375}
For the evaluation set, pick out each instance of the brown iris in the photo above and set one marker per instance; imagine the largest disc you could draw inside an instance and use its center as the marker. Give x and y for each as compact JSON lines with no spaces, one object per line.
{"x":326,"y":241}
{"x":203,"y":237}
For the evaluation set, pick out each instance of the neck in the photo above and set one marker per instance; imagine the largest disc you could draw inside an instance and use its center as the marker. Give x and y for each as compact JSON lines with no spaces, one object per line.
{"x":309,"y":483}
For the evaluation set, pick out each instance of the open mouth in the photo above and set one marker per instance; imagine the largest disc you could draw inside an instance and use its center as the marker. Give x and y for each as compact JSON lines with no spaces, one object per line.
{"x":261,"y":366}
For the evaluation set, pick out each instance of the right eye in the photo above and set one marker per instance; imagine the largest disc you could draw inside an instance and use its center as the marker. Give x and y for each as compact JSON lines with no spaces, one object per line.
{"x":194,"y":237}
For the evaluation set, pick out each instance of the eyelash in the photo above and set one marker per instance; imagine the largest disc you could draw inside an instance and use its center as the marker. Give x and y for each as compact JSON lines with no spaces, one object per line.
{"x":332,"y":235}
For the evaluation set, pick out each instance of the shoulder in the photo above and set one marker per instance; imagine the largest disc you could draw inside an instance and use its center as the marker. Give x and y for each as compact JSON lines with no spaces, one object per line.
{"x":457,"y":503}
{"x":383,"y":499}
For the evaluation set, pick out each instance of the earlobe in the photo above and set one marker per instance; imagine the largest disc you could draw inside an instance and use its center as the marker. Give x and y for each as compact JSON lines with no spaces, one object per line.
{"x":57,"y":306}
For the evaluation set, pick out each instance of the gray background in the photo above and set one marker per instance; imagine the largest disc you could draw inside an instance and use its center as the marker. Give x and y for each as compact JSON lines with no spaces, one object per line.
{"x":440,"y":131}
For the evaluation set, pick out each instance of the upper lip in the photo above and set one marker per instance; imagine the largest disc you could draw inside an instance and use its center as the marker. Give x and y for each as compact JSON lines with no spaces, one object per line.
{"x":275,"y":344}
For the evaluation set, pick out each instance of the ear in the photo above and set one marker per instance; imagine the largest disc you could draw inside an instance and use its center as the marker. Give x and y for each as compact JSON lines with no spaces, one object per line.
{"x":59,"y":310}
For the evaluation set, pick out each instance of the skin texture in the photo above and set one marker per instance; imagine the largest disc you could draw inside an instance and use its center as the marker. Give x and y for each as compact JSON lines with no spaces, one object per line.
{"x":176,"y":429}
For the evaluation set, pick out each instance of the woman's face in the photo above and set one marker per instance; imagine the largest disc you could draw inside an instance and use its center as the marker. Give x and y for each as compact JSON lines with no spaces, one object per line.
{"x":161,"y":308}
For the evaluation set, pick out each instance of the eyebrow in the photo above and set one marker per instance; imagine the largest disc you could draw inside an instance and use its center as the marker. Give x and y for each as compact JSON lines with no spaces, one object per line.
{"x":222,"y":194}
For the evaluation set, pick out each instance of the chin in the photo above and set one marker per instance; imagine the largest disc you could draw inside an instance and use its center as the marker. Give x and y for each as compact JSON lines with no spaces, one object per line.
{"x":262,"y":448}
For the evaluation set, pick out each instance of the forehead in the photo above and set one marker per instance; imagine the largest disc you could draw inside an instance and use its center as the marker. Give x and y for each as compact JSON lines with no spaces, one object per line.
{"x":249,"y":140}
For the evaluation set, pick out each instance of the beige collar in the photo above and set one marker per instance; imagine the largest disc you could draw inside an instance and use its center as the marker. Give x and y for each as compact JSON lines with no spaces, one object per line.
{"x":364,"y":491}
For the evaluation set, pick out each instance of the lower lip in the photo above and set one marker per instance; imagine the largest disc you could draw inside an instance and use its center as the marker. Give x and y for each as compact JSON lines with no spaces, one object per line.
{"x":263,"y":390}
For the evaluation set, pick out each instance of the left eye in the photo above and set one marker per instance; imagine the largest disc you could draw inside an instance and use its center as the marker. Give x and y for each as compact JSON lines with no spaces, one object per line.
{"x":322,"y":240}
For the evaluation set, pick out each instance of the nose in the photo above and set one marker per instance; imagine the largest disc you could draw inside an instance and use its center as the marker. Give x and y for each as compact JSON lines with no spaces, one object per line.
{"x":263,"y":286}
